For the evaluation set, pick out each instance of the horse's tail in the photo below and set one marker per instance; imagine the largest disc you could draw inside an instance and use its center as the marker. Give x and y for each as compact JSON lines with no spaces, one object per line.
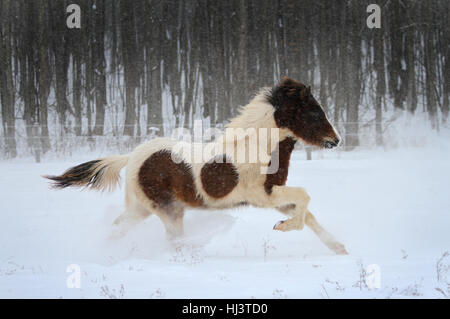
{"x":102,"y":174}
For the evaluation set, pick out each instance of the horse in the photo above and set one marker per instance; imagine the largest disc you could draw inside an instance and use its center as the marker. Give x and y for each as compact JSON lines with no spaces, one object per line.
{"x":161,"y":180}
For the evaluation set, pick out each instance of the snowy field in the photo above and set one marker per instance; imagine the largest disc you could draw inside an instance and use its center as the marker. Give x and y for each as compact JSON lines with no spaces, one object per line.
{"x":391,"y":208}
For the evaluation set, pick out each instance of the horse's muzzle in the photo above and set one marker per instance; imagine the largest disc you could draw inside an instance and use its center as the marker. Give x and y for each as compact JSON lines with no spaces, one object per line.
{"x":331,"y":144}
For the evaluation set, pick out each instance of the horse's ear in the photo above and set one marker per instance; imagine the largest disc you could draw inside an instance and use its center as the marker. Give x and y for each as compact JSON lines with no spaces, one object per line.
{"x":305,"y":92}
{"x":287,"y":81}
{"x":284,"y":79}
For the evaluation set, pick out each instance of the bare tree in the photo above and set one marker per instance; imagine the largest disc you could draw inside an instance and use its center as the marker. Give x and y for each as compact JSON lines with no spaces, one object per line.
{"x":204,"y":59}
{"x":6,"y":80}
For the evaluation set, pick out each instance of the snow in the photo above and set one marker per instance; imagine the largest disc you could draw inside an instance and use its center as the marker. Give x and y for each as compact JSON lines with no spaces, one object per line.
{"x":389,"y":207}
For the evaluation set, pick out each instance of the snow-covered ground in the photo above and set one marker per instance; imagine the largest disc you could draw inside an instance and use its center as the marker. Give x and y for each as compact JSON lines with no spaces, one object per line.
{"x":390,"y":208}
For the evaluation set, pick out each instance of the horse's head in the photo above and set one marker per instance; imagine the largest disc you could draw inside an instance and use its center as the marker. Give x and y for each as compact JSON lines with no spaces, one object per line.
{"x":297,"y":110}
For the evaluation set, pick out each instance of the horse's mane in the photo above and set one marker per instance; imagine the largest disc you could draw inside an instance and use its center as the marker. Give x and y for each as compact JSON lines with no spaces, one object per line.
{"x":256,"y":114}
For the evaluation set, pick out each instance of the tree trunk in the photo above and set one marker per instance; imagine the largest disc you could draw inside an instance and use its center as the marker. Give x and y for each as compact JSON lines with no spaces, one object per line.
{"x":381,"y":84}
{"x":61,"y":54}
{"x":446,"y":64}
{"x":411,"y":97}
{"x":354,"y":93}
{"x":243,"y":51}
{"x":76,"y":80}
{"x":323,"y":59}
{"x":100,"y":67}
{"x":6,"y":81}
{"x":153,"y":69}
{"x":128,"y":52}
{"x":430,"y":76}
{"x":44,"y":77}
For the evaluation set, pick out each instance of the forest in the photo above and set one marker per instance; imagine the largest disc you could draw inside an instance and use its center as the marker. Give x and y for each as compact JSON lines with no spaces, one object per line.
{"x":136,"y":69}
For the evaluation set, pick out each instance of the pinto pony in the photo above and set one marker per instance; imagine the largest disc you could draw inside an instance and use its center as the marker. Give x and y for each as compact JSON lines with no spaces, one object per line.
{"x":163,"y":181}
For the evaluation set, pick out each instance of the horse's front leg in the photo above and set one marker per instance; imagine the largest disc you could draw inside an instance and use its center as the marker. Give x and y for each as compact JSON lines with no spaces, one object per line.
{"x":293,"y":201}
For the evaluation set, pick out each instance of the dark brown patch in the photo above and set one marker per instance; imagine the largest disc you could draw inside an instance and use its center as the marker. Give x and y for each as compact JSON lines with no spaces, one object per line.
{"x":165,"y":181}
{"x":218,"y":177}
{"x":285,"y":148}
{"x":80,"y":175}
{"x":298,"y":110}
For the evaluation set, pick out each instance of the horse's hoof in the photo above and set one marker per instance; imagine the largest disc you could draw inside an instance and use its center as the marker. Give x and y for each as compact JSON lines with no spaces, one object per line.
{"x":340,"y":250}
{"x":277,"y":225}
{"x":287,"y":225}
{"x":281,"y":226}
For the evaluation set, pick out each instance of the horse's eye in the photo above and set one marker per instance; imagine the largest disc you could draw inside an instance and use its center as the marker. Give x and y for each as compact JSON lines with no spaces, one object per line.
{"x":315,"y":114}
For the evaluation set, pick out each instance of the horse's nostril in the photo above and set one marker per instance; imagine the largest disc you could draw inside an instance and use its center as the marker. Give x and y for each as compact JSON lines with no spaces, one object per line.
{"x":329,"y":144}
{"x":336,"y":140}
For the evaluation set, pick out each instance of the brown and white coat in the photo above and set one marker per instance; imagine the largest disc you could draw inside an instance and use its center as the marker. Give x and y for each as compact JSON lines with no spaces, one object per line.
{"x":158,"y":184}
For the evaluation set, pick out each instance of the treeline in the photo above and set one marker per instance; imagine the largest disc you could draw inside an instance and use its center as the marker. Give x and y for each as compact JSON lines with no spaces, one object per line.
{"x":135,"y":66}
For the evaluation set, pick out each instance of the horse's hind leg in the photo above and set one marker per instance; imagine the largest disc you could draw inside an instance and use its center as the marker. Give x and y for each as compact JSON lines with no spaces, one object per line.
{"x":133,"y":215}
{"x":172,"y":217}
{"x":171,"y":214}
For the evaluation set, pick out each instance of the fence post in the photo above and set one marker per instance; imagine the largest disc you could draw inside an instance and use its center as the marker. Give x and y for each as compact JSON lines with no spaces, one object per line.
{"x":308,"y":153}
{"x":36,"y":142}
